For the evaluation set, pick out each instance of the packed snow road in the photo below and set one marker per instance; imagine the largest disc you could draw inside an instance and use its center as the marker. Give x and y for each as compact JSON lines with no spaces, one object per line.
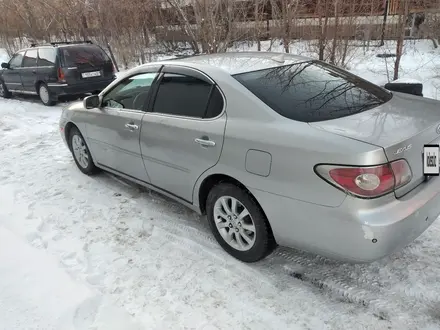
{"x":80,"y":252}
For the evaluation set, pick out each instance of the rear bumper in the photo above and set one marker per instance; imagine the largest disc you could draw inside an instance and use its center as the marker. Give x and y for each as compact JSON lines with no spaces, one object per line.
{"x":358,"y":230}
{"x":58,"y":89}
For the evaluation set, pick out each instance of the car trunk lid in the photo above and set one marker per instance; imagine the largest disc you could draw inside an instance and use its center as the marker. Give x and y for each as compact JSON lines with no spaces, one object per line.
{"x":401,"y":126}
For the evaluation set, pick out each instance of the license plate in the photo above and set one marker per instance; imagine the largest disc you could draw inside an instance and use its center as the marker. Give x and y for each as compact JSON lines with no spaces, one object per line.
{"x":430,"y":160}
{"x":91,"y":74}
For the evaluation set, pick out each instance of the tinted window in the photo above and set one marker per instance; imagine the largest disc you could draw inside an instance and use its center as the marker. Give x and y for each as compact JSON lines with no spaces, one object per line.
{"x":313,"y":91}
{"x":131,"y":93}
{"x":84,"y":54}
{"x":46,"y":57}
{"x":215,"y":106}
{"x":16,"y":60}
{"x":182,"y":95}
{"x":30,"y":59}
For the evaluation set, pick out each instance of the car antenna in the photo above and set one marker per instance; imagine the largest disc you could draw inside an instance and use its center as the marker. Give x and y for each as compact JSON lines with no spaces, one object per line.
{"x":279,"y":58}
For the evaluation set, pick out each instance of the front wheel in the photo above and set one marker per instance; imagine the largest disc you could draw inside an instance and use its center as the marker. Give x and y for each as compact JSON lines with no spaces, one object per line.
{"x":4,"y":92}
{"x":238,"y":223}
{"x":81,"y":153}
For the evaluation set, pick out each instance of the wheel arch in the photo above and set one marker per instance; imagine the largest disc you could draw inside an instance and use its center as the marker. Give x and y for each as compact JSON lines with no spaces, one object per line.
{"x":214,"y":179}
{"x":37,"y":85}
{"x":67,"y":130}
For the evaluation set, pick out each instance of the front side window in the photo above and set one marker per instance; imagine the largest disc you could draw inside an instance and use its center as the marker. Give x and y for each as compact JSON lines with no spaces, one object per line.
{"x":16,"y":60}
{"x":30,"y":59}
{"x":313,"y":91}
{"x":131,"y":93}
{"x":187,"y":96}
{"x":47,"y":57}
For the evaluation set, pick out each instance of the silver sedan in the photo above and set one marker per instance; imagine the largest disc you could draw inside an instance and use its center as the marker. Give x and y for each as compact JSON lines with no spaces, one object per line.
{"x":275,"y":149}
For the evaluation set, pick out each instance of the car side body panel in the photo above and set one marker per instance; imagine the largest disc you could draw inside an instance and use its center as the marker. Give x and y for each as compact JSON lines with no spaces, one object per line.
{"x":275,"y":158}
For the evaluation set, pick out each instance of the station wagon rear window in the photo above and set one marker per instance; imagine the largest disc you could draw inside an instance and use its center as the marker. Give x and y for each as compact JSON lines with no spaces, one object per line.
{"x":313,"y":91}
{"x":85,"y":54}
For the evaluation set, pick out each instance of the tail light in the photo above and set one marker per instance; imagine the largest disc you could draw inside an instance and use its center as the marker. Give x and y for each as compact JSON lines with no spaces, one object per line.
{"x":367,"y":182}
{"x":61,"y":77}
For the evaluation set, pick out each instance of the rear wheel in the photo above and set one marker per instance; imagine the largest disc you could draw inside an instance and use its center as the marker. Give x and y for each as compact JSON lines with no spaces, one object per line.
{"x":45,"y":97}
{"x":238,"y":223}
{"x":4,"y":91}
{"x":81,"y":153}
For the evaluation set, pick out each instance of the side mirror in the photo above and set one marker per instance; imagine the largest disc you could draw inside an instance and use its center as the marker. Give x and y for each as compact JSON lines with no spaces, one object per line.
{"x":92,"y":101}
{"x":5,"y":65}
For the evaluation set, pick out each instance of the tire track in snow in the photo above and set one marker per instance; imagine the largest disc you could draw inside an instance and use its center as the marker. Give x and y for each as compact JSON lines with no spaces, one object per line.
{"x":333,"y":277}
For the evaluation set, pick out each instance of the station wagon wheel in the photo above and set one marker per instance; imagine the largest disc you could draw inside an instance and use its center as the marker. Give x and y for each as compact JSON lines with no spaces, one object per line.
{"x":238,"y":223}
{"x":81,"y":153}
{"x":44,"y":93}
{"x":4,"y":91}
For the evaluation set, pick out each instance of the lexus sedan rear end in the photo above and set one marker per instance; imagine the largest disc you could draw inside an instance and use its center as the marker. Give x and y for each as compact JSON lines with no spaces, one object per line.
{"x":274,"y":149}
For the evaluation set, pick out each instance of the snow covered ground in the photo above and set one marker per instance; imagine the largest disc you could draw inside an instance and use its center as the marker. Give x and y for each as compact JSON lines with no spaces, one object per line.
{"x":80,"y":252}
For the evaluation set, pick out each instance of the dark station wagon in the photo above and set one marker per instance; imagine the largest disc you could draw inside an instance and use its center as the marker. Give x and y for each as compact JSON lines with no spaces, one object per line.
{"x":57,"y":69}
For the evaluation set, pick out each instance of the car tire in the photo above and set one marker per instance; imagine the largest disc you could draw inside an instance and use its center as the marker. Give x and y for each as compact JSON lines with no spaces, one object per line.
{"x":45,"y":95}
{"x":247,"y":223}
{"x":81,"y":153}
{"x":4,"y":91}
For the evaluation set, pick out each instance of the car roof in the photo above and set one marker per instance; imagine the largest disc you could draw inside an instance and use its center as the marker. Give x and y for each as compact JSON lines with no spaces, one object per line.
{"x":241,"y":62}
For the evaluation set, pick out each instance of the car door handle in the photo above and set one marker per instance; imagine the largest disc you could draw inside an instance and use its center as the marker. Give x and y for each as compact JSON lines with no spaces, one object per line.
{"x":205,"y":142}
{"x":34,"y":71}
{"x":131,"y":126}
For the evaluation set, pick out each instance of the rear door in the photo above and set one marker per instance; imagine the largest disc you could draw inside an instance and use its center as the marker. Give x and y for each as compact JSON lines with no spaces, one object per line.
{"x":28,"y":71}
{"x":183,"y":135}
{"x":85,"y":63}
{"x":113,"y":130}
{"x":11,"y":76}
{"x":47,"y":64}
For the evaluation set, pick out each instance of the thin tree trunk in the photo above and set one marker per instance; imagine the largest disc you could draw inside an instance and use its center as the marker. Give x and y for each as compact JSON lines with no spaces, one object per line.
{"x":399,"y":49}
{"x":335,"y":35}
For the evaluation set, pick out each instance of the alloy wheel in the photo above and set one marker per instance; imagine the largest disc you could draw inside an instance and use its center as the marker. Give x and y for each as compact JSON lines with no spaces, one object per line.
{"x":80,"y":151}
{"x":234,"y":223}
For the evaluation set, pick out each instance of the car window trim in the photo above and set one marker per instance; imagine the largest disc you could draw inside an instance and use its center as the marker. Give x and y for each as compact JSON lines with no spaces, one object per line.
{"x":151,"y":69}
{"x":186,"y":70}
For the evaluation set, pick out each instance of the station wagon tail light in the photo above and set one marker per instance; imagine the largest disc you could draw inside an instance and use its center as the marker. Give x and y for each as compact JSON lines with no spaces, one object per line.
{"x":61,"y":77}
{"x":367,"y":182}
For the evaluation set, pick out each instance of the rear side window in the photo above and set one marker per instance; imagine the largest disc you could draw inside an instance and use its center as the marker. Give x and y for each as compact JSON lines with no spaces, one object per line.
{"x":47,"y":57}
{"x":312,"y":91}
{"x":183,"y":95}
{"x":84,"y":55}
{"x":30,"y":59}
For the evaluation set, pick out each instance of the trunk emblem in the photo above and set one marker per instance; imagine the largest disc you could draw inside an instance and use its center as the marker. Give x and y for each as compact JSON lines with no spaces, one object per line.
{"x":400,"y":150}
{"x":438,"y":129}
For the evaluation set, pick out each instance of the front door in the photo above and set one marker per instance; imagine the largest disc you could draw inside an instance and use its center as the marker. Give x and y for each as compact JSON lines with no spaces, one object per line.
{"x":114,"y":129}
{"x":182,"y":136}
{"x":29,"y":71}
{"x":11,"y":76}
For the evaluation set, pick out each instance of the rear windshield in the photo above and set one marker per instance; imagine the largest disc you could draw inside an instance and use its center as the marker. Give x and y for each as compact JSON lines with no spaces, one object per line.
{"x":84,"y":54}
{"x":313,"y":91}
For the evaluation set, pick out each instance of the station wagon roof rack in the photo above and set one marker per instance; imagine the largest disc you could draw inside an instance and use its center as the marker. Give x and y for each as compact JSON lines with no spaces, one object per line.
{"x":56,"y":43}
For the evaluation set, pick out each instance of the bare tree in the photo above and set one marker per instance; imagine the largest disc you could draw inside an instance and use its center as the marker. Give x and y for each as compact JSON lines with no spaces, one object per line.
{"x":404,"y":8}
